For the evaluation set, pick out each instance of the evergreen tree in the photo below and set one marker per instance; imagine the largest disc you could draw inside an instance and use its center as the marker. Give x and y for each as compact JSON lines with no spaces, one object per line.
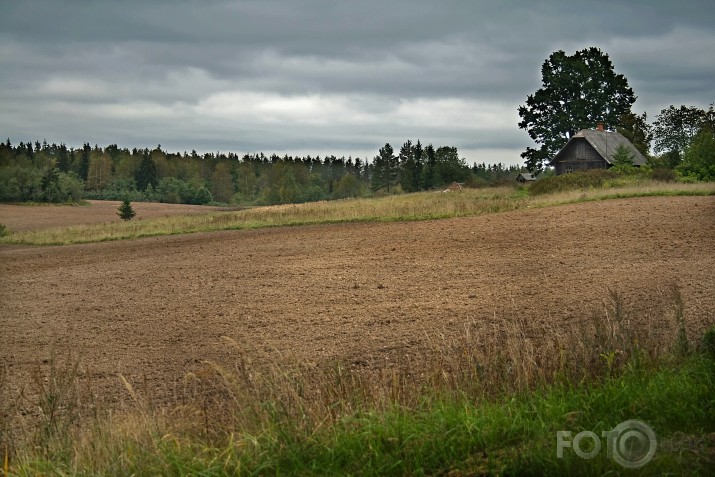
{"x":407,"y":170}
{"x":84,"y":161}
{"x":430,"y":167}
{"x":126,"y":211}
{"x":50,"y":184}
{"x":393,"y":169}
{"x":358,"y":168}
{"x":63,"y":159}
{"x":418,"y":164}
{"x":385,"y":169}
{"x":622,"y":158}
{"x":147,"y":174}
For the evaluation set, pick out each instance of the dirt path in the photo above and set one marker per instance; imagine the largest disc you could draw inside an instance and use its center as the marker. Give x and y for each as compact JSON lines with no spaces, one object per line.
{"x":361,"y":293}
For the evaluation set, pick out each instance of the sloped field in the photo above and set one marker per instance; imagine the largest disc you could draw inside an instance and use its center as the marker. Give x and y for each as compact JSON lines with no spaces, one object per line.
{"x":366,"y":295}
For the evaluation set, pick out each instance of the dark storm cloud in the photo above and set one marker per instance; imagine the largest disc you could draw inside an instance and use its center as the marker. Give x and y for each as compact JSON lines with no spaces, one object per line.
{"x":325,"y":76}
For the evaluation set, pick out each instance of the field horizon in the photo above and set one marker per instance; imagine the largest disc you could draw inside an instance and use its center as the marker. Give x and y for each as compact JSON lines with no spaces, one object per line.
{"x":65,"y":224}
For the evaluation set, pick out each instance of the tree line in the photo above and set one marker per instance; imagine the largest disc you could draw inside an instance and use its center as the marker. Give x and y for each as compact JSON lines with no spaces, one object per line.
{"x":45,"y":172}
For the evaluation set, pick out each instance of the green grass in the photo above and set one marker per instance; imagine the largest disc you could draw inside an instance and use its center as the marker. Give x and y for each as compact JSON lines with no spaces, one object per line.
{"x":511,"y":435}
{"x":407,"y":207}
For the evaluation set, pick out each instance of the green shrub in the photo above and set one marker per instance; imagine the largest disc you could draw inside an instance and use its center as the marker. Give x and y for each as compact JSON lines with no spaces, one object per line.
{"x":592,"y":178}
{"x":71,"y":186}
{"x":174,"y":191}
{"x":3,"y":230}
{"x":202,"y":196}
{"x":663,"y":174}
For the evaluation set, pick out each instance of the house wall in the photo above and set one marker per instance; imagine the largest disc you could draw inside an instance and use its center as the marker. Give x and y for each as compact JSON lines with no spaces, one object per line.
{"x":579,"y":155}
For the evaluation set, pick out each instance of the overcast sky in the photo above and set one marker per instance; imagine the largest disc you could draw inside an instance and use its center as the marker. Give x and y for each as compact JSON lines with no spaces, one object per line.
{"x":326,"y":77}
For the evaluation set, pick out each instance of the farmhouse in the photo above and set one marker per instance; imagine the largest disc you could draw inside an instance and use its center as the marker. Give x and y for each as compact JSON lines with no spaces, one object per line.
{"x":525,"y":177}
{"x":593,"y":149}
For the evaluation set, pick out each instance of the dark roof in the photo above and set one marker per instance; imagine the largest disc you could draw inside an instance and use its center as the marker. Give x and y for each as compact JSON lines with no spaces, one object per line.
{"x":527,"y":176}
{"x":456,"y":185}
{"x":606,"y":143}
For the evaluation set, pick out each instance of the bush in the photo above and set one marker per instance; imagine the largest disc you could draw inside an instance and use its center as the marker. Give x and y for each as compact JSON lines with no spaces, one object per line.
{"x":663,"y":174}
{"x":175,"y":191}
{"x":3,"y":230}
{"x":592,"y":178}
{"x":20,"y":184}
{"x":202,"y":196}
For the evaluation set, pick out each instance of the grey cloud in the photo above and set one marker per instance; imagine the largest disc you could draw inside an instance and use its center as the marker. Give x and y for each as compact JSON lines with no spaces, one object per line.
{"x":72,"y":70}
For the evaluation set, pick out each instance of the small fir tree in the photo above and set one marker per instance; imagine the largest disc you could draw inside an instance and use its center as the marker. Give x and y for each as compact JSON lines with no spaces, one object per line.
{"x":622,"y":156}
{"x":126,"y":212}
{"x":623,"y":160}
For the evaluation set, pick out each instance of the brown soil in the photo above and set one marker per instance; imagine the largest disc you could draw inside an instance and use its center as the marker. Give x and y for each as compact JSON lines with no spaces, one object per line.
{"x":366,"y":294}
{"x":19,"y":218}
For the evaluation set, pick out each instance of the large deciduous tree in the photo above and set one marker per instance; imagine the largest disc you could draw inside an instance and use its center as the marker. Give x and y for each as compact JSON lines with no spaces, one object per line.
{"x":577,"y":92}
{"x":636,"y":129}
{"x":675,"y":128}
{"x":699,"y":157}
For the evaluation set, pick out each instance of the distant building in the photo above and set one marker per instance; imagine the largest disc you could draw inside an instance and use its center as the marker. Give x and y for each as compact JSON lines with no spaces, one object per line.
{"x":593,"y":149}
{"x":455,"y":186}
{"x":525,"y":177}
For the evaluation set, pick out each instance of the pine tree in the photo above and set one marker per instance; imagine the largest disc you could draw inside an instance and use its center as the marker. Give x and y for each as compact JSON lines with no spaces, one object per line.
{"x":386,"y":167}
{"x":622,"y":156}
{"x":407,"y":180}
{"x":126,"y":212}
{"x":147,"y":174}
{"x":430,"y":167}
{"x":84,"y":161}
{"x":418,"y":164}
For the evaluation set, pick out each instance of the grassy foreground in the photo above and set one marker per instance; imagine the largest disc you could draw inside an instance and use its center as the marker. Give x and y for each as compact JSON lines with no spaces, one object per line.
{"x":514,"y":435}
{"x":491,"y":405}
{"x":419,"y":206}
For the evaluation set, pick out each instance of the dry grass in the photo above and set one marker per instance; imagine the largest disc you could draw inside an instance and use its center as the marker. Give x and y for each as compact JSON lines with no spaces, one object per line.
{"x":419,"y":206}
{"x":230,"y":418}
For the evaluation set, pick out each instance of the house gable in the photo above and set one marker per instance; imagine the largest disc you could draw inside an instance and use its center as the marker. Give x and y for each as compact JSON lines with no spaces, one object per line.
{"x":593,"y":149}
{"x":578,"y":154}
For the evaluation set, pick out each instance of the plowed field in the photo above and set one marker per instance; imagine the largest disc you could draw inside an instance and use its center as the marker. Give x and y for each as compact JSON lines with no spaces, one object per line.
{"x":19,"y":218}
{"x":363,"y":294}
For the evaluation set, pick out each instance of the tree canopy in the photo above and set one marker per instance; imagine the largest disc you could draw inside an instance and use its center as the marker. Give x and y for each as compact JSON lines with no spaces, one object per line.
{"x":699,"y":157}
{"x":577,"y":92}
{"x":675,"y":128}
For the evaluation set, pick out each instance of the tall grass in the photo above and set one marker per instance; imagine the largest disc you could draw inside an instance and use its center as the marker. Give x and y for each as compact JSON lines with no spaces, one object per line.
{"x":408,"y":207}
{"x":486,"y":402}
